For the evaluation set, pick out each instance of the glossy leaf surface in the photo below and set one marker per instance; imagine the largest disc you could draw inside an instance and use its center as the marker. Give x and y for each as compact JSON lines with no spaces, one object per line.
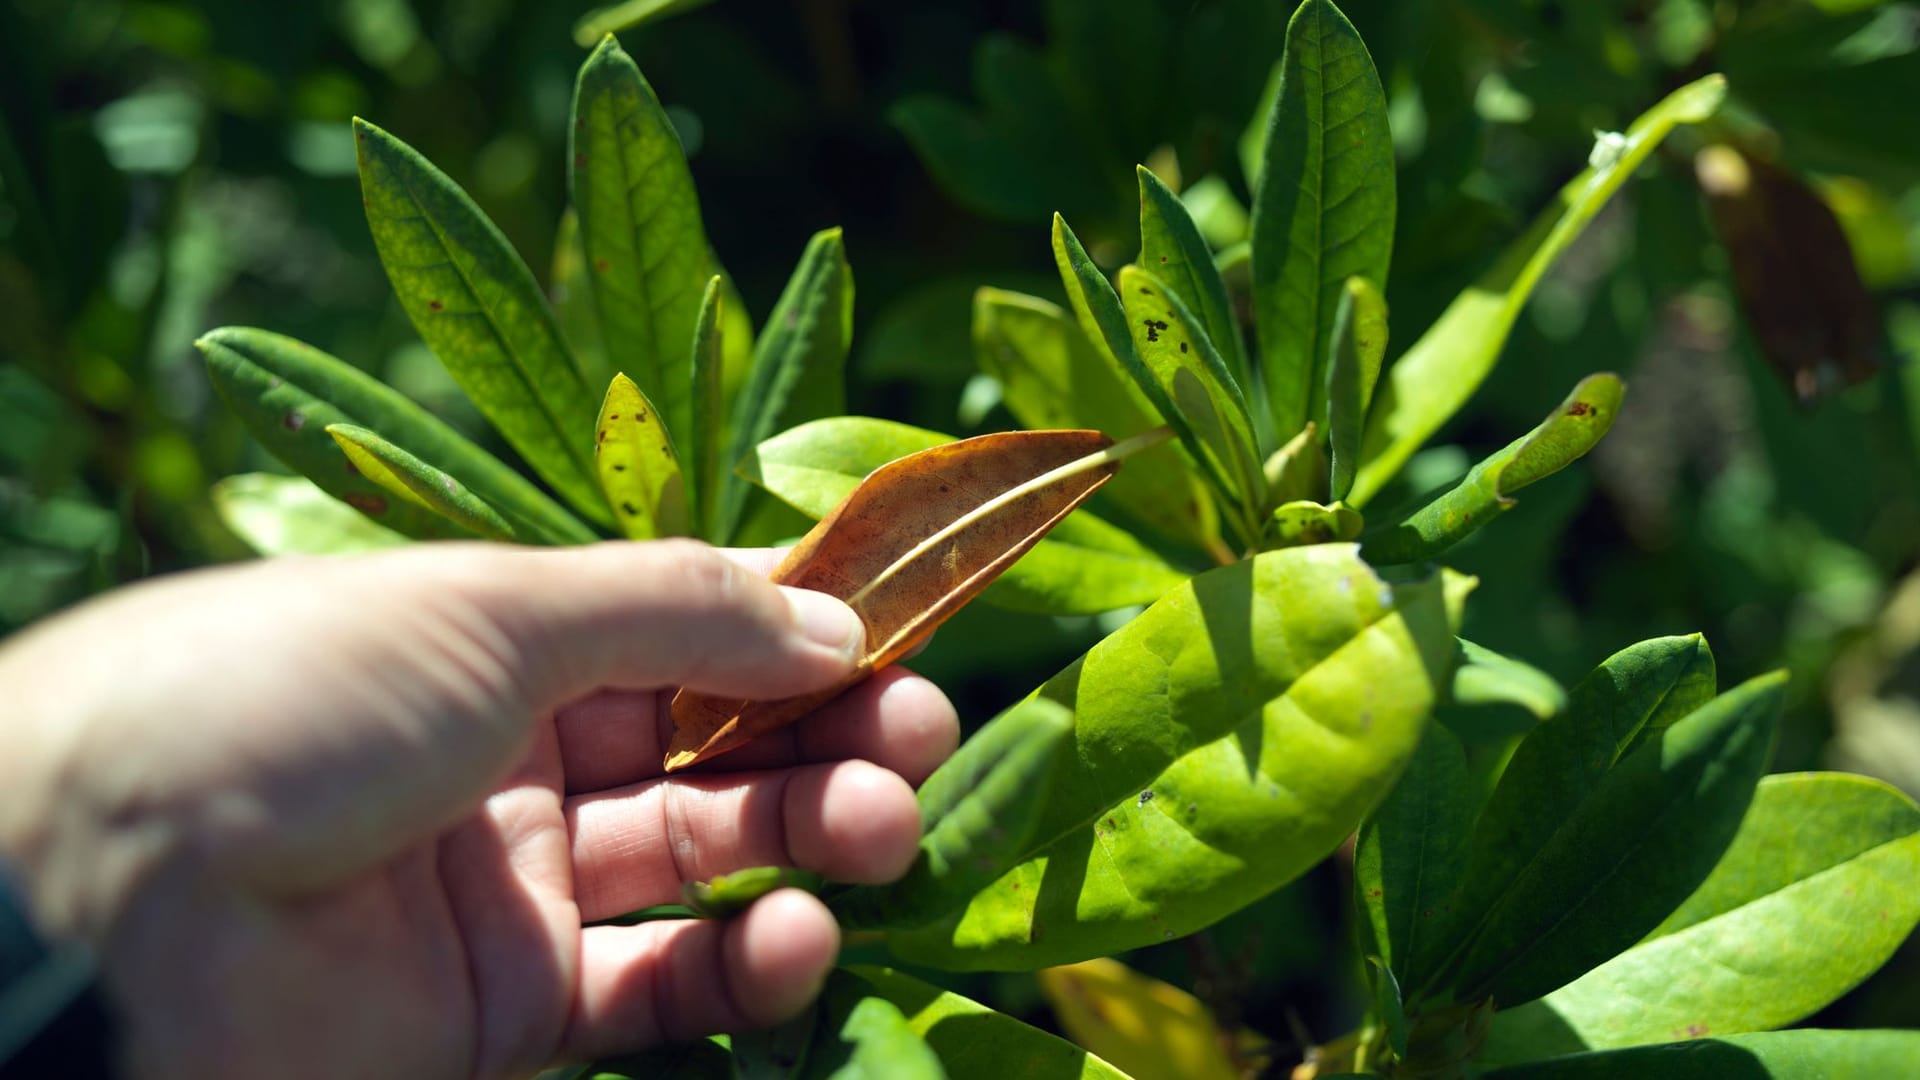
{"x":288,"y":515}
{"x":1324,"y":206}
{"x":1441,"y":370}
{"x":406,"y":477}
{"x":1359,"y":346}
{"x":645,"y":248}
{"x":287,"y":393}
{"x":1225,"y":740}
{"x":977,"y":1043}
{"x":1486,"y":492}
{"x":1083,"y":566}
{"x":1142,"y":1026}
{"x":1410,"y":856}
{"x":859,"y":1035}
{"x":637,"y":466}
{"x":1172,"y":249}
{"x":1485,"y":677}
{"x":1813,"y":895}
{"x":914,"y":542}
{"x":477,"y":306}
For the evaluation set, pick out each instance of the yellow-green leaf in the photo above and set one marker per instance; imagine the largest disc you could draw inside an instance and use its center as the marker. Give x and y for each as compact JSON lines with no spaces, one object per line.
{"x":406,"y":476}
{"x":638,"y":469}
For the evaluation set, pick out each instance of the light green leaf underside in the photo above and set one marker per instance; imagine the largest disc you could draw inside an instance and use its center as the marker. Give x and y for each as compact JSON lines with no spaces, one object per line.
{"x":1225,"y":740}
{"x":409,"y":478}
{"x":1323,"y":210}
{"x":288,"y":515}
{"x":1813,"y":895}
{"x":477,"y":306}
{"x":977,"y":1043}
{"x":1083,"y":566}
{"x":1440,"y":371}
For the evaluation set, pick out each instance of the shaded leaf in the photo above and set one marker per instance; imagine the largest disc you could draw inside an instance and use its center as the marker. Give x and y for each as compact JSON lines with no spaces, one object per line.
{"x":629,"y":15}
{"x":701,"y":1059}
{"x":1650,"y":833}
{"x":709,"y":407}
{"x":637,"y":466}
{"x":1485,"y":677}
{"x":1084,"y":566}
{"x":288,"y":393}
{"x":1388,"y":1009}
{"x":1441,"y":370}
{"x":476,"y":305}
{"x":798,"y":363}
{"x":1324,"y":206}
{"x":1172,"y":249}
{"x":572,"y":297}
{"x":974,"y":1041}
{"x":288,"y":515}
{"x":913,"y":543}
{"x":1359,"y":345}
{"x":1409,"y":858}
{"x":1144,"y":1027}
{"x":640,"y":227}
{"x":1793,"y":270}
{"x":408,"y":478}
{"x":1052,"y":376}
{"x":1225,"y":740}
{"x":1772,"y":1055}
{"x":731,"y":894}
{"x":860,"y":1036}
{"x":1486,"y":492}
{"x":1813,"y":895}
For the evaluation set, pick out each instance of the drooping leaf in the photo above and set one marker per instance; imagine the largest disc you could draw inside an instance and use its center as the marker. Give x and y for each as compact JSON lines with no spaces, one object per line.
{"x":1409,"y":858}
{"x":976,"y":1042}
{"x":1486,"y":492}
{"x":628,"y":15}
{"x":1172,"y":250}
{"x":637,"y":466}
{"x":859,"y":1035}
{"x":410,"y":479}
{"x":1179,"y":358}
{"x":1084,"y":566}
{"x":1807,"y":1054}
{"x":288,"y":393}
{"x":709,"y":407}
{"x":1323,"y":210}
{"x":476,"y":305}
{"x":646,"y":250}
{"x":1146,"y":1028}
{"x":798,"y":362}
{"x":288,"y":515}
{"x":977,"y":813}
{"x":1485,"y":677}
{"x":1359,"y":345}
{"x":1813,"y":895}
{"x":1441,"y":370}
{"x":913,"y":543}
{"x":1225,"y":740}
{"x":1052,"y":376}
{"x":1652,"y":830}
{"x":730,"y":894}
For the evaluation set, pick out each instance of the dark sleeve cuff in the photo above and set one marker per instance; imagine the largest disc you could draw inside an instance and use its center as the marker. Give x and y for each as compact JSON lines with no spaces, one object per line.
{"x":53,"y":1022}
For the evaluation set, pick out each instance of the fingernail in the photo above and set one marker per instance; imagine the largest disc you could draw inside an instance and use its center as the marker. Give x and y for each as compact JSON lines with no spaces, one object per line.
{"x":824,"y":620}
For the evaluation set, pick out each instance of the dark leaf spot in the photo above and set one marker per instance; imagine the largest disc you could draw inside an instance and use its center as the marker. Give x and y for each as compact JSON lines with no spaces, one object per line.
{"x":629,"y":508}
{"x":366,"y":503}
{"x":580,"y":160}
{"x":435,"y":305}
{"x":1579,"y":408}
{"x":619,"y":468}
{"x":1146,"y":292}
{"x":1163,"y":258}
{"x":293,"y":421}
{"x":1146,"y":797}
{"x":615,"y":416}
{"x":1183,"y":346}
{"x":600,"y":265}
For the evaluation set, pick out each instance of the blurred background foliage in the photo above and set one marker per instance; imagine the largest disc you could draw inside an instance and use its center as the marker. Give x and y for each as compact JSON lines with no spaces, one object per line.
{"x":169,"y":166}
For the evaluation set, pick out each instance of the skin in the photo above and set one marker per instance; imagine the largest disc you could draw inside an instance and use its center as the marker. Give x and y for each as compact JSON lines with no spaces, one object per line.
{"x":347,"y":817}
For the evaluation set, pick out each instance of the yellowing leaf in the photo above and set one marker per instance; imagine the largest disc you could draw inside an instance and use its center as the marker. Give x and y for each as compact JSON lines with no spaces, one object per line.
{"x":1144,"y":1027}
{"x":636,"y":464}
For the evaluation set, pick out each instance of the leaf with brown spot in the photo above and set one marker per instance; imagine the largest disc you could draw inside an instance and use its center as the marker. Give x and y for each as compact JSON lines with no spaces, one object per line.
{"x":638,"y":470}
{"x":912,"y":544}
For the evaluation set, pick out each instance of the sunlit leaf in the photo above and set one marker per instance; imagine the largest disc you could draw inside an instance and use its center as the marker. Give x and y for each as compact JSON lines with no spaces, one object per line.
{"x":637,"y":467}
{"x":975,"y":1042}
{"x":288,"y":515}
{"x":1359,"y":344}
{"x":408,"y":478}
{"x":1172,"y":249}
{"x":1145,"y":1027}
{"x":1772,"y":1055}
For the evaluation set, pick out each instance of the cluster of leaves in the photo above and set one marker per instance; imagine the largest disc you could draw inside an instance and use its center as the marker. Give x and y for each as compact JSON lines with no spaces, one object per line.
{"x":1233,"y":733}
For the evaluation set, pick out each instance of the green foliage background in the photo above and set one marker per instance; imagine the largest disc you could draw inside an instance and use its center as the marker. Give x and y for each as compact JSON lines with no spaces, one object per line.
{"x":168,"y":166}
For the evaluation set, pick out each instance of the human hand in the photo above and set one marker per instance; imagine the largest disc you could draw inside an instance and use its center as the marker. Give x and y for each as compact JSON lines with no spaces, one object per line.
{"x":348,"y":817}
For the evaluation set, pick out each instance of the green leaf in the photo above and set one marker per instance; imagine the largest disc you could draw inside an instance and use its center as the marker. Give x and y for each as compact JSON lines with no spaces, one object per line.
{"x":859,"y":1036}
{"x":637,"y":467}
{"x":1052,"y":376}
{"x":631,"y":14}
{"x":1410,"y":856}
{"x":476,"y":305}
{"x":1388,"y":1010}
{"x":288,"y":515}
{"x":1485,"y":677}
{"x":646,"y":249}
{"x":1651,"y":831}
{"x":1084,"y":566}
{"x":977,"y":1043}
{"x":1808,"y":1054}
{"x":1813,"y":895}
{"x":709,"y":405}
{"x":798,"y":363}
{"x":288,"y":393}
{"x":1440,"y":371}
{"x":410,"y":479}
{"x":1187,"y":369}
{"x":572,"y":297}
{"x":1304,"y":521}
{"x":701,"y":1059}
{"x":1486,"y":492}
{"x":1172,"y":249}
{"x":1225,"y":740}
{"x":731,"y":894}
{"x":1323,"y":209}
{"x":977,"y":814}
{"x":1251,"y":147}
{"x":1359,"y":346}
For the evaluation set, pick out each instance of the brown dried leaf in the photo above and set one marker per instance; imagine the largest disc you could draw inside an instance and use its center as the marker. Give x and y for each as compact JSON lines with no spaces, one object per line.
{"x":906,"y":549}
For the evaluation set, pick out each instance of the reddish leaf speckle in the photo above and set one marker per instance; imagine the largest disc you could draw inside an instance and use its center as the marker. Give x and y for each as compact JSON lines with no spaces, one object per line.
{"x":1579,"y":408}
{"x":580,"y":160}
{"x":293,"y":421}
{"x":600,"y":265}
{"x":366,"y":503}
{"x":435,"y":305}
